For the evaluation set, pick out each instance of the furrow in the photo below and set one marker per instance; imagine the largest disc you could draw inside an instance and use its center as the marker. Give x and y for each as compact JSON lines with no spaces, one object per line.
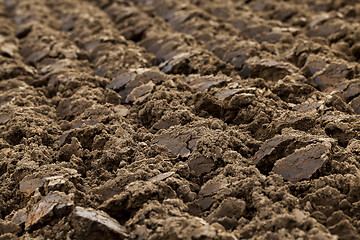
{"x":175,"y":52}
{"x":11,"y":61}
{"x":261,"y":58}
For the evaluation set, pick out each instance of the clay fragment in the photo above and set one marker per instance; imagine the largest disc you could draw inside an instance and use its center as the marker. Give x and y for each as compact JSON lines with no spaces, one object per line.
{"x":140,"y":91}
{"x":96,"y":224}
{"x":176,"y":64}
{"x":355,"y":104}
{"x":269,"y":146}
{"x":313,"y":67}
{"x":176,"y":144}
{"x":63,"y":137}
{"x":162,"y":176}
{"x":205,"y":203}
{"x":284,"y":148}
{"x":303,"y":162}
{"x":37,"y":56}
{"x":203,"y":83}
{"x":23,"y":30}
{"x":352,"y":90}
{"x":212,"y":187}
{"x":201,"y":165}
{"x":331,"y":30}
{"x":333,"y":74}
{"x":222,"y":95}
{"x":121,"y":80}
{"x":270,"y":70}
{"x":135,"y":195}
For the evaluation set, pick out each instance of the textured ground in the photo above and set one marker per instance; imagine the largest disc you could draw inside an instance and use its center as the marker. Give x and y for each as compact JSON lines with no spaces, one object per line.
{"x":192,"y":119}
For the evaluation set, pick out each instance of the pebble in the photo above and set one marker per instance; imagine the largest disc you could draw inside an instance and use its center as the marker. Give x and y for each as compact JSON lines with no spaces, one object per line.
{"x":53,"y":204}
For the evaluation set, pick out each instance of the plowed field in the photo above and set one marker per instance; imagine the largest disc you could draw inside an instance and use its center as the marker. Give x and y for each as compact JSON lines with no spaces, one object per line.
{"x":192,"y":119}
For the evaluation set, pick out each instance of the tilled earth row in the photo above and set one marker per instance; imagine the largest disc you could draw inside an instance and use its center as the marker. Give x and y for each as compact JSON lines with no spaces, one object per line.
{"x":165,"y":119}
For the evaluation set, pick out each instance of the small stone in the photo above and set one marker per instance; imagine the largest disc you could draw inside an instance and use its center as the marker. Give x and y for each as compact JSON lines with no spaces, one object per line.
{"x":53,"y":204}
{"x":29,"y":185}
{"x":55,"y":183}
{"x":89,"y":223}
{"x":20,"y":217}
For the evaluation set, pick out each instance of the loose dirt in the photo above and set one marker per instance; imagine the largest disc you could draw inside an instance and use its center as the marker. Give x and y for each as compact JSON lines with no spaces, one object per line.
{"x":165,"y":119}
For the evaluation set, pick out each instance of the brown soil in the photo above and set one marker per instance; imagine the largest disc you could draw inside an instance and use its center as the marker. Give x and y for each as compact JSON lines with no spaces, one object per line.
{"x":166,"y":119}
